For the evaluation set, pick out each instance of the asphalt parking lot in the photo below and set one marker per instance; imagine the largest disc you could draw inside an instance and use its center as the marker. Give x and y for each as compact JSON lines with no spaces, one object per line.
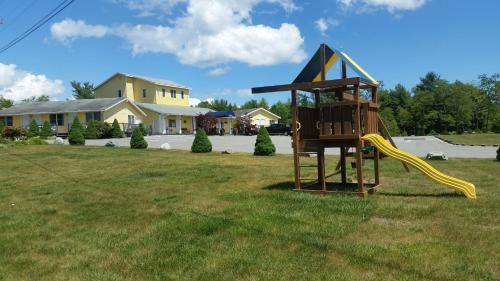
{"x":419,"y":146}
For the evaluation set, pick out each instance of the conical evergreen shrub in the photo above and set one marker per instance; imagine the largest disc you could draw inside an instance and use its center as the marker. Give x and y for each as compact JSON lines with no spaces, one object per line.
{"x":263,"y":144}
{"x":46,"y":130}
{"x":33,"y":131}
{"x":76,"y":133}
{"x":498,"y":154}
{"x":116,"y":131}
{"x":201,"y":142}
{"x":91,"y":131}
{"x":143,"y":129}
{"x":137,"y":140}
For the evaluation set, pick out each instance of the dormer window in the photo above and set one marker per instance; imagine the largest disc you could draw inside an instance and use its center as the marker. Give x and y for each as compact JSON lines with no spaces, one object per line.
{"x":163,"y":92}
{"x":173,"y":93}
{"x":143,"y":93}
{"x":119,"y":93}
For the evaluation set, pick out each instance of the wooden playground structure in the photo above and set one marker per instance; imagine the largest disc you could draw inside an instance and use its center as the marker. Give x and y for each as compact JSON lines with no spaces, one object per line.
{"x":344,"y":111}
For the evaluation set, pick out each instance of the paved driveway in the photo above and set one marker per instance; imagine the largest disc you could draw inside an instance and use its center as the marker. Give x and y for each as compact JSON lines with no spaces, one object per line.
{"x":419,"y":146}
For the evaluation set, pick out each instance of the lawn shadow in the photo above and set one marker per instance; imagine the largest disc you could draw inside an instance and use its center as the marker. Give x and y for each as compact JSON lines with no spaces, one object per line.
{"x":405,"y":194}
{"x":287,"y":185}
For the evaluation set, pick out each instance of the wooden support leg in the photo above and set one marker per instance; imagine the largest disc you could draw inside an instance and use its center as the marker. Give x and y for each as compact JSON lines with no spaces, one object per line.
{"x":321,"y":168}
{"x":376,"y":168}
{"x":343,"y":171}
{"x":359,"y":168}
{"x":296,"y":164}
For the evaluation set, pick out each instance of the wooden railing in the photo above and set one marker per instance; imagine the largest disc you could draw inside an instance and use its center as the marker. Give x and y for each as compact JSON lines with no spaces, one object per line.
{"x":337,"y":120}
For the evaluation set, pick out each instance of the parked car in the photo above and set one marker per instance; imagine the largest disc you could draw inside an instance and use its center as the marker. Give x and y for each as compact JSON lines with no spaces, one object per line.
{"x":279,"y":129}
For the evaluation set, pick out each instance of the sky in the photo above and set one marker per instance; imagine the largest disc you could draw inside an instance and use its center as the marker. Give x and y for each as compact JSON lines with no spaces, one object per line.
{"x":222,"y":48}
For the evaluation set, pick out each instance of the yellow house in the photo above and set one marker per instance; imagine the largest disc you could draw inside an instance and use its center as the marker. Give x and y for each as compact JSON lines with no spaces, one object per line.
{"x":259,"y":116}
{"x":60,"y":114}
{"x":142,"y":89}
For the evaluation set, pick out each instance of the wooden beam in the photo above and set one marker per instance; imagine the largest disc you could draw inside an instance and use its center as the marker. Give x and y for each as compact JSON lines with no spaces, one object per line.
{"x":295,"y":140}
{"x":307,"y":85}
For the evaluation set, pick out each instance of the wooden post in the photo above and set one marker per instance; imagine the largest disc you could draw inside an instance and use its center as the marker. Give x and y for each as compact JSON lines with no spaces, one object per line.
{"x":359,"y":145}
{"x":343,"y":171}
{"x":295,"y":140}
{"x":376,"y":168}
{"x":317,"y":101}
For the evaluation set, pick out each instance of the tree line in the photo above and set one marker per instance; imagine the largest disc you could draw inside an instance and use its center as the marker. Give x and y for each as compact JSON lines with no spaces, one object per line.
{"x":433,"y":106}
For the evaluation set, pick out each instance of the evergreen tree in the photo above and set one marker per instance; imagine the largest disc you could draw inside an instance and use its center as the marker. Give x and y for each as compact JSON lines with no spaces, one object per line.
{"x":91,"y":131}
{"x":46,"y":130}
{"x":390,"y":121}
{"x":201,"y":142}
{"x":498,"y":154}
{"x":143,"y":129}
{"x":2,"y":125}
{"x":137,"y":140}
{"x":76,"y":133}
{"x":33,"y":130}
{"x":263,"y":144}
{"x":116,"y":131}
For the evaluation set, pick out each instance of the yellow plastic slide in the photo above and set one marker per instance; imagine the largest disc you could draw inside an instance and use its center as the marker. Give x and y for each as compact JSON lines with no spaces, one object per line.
{"x":383,"y":146}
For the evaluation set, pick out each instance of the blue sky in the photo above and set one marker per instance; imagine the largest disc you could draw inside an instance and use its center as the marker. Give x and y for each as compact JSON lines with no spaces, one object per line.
{"x":221,"y":48}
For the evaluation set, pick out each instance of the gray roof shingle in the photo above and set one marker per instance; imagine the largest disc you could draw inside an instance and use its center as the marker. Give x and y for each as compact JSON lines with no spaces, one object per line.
{"x":86,"y":105}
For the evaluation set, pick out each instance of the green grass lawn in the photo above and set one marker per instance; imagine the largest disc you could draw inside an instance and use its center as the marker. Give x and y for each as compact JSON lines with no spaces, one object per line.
{"x":476,"y":139}
{"x":89,"y":213}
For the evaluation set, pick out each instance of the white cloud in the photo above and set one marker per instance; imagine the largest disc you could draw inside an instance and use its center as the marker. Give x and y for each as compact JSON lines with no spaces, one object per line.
{"x":207,"y":34}
{"x":218,"y":71}
{"x":16,"y":84}
{"x":196,"y":101}
{"x":390,"y":5}
{"x":71,"y":29}
{"x":323,"y":24}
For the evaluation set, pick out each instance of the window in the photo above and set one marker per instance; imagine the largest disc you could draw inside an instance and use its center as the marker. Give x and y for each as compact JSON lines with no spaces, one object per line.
{"x":272,"y":122}
{"x":163,"y":92}
{"x":172,"y":123}
{"x":119,"y":93}
{"x":92,"y":116}
{"x":173,"y":93}
{"x":8,"y":121}
{"x":182,"y":94}
{"x":131,"y":119}
{"x":57,"y":119}
{"x":143,"y":93}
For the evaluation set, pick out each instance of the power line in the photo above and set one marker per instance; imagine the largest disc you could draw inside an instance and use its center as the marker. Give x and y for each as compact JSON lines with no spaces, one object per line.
{"x":63,"y":5}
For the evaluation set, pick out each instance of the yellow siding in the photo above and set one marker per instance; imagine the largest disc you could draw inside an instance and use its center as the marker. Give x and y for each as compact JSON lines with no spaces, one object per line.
{"x":138,"y":86}
{"x":178,"y":100}
{"x":111,"y":87}
{"x":187,"y":123}
{"x":150,"y":118}
{"x":263,"y":116}
{"x":121,"y":113}
{"x":16,"y":121}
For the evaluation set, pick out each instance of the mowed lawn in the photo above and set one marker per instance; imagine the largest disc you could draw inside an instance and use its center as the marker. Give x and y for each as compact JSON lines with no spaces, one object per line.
{"x":475,"y":139}
{"x":89,"y":213}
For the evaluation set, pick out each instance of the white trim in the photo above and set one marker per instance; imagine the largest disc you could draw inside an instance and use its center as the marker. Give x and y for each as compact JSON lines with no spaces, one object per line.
{"x":123,"y":100}
{"x":260,"y":108}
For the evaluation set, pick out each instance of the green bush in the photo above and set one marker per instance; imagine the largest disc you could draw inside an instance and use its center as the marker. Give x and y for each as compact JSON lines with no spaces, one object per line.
{"x":137,"y":140}
{"x":498,"y":154}
{"x":46,"y":130}
{"x":116,"y":131}
{"x":201,"y":142}
{"x":31,"y":141}
{"x":143,"y":129}
{"x":13,"y":133}
{"x":91,"y":131}
{"x":2,"y":125}
{"x":103,"y":130}
{"x":263,"y":145}
{"x":33,"y":131}
{"x":76,"y":133}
